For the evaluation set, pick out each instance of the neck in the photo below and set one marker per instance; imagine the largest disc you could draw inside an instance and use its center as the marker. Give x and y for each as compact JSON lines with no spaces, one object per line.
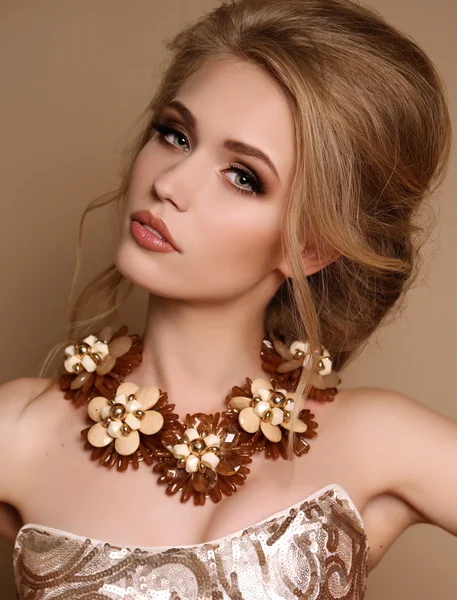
{"x":197,"y":353}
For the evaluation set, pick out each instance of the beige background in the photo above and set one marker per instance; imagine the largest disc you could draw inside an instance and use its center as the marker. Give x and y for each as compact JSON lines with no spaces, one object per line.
{"x":75,"y":76}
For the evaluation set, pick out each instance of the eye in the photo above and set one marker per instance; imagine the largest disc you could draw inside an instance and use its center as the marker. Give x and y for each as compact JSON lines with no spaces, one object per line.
{"x":257,"y":186}
{"x":165,"y":130}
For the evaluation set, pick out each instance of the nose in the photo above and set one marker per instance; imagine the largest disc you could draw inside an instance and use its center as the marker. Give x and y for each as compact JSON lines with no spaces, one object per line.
{"x":177,"y":183}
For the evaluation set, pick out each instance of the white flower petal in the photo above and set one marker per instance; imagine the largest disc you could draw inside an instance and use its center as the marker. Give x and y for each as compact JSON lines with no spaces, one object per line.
{"x":264,"y":394}
{"x":101,"y":348}
{"x":127,"y":388}
{"x":271,"y":432}
{"x":261,"y":408}
{"x":88,"y":363}
{"x":191,"y":434}
{"x":210,"y":460}
{"x":127,"y":444}
{"x":132,"y":421}
{"x":181,"y":450}
{"x":133,"y":406}
{"x":90,"y":339}
{"x":106,"y":411}
{"x":192,"y":463}
{"x":277,"y":416}
{"x":327,"y":366}
{"x":248,"y":420}
{"x":148,"y":395}
{"x":114,"y":429}
{"x":258,"y":384}
{"x":299,"y":345}
{"x":98,"y":436}
{"x":152,"y":422}
{"x":70,"y":363}
{"x":212,"y":440}
{"x":289,"y":406}
{"x":298,"y":426}
{"x":120,"y":399}
{"x":70,"y":350}
{"x":96,"y":406}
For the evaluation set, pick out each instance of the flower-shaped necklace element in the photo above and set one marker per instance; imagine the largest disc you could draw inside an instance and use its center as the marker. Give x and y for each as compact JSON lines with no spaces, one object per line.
{"x":204,"y":456}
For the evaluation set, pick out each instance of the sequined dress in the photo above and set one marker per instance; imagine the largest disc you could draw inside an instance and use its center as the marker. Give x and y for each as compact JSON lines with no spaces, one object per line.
{"x":316,"y":549}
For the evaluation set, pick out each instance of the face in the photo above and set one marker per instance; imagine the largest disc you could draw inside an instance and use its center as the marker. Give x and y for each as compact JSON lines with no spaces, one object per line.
{"x":221,"y":203}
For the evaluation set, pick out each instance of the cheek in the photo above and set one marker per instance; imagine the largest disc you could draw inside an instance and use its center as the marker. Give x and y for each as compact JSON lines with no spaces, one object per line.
{"x":240,"y":243}
{"x":230,"y":244}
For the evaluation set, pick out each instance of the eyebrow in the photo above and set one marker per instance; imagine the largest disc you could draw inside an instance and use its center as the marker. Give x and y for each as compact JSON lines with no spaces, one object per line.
{"x":229,"y":144}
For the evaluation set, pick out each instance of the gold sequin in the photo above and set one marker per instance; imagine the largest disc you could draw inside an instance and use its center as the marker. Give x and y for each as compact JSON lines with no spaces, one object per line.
{"x":314,"y":550}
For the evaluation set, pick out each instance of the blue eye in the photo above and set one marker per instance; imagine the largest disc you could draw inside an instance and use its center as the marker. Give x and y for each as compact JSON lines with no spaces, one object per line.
{"x":257,"y":186}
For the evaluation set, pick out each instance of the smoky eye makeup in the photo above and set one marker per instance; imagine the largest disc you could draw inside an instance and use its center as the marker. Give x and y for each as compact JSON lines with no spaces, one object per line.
{"x":165,"y":127}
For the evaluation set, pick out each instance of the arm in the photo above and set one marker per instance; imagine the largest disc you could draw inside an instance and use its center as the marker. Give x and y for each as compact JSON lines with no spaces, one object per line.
{"x":417,"y":450}
{"x":15,"y":396}
{"x":427,"y":466}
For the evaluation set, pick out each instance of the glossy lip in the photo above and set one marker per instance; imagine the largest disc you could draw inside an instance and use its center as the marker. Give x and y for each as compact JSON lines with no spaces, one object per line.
{"x":146,"y":217}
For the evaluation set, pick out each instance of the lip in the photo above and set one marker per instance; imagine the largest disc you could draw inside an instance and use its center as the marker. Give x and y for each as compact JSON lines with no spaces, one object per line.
{"x":147,"y":218}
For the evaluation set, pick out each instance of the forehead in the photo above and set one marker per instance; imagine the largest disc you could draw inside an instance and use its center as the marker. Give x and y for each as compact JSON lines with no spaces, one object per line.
{"x":234,"y":99}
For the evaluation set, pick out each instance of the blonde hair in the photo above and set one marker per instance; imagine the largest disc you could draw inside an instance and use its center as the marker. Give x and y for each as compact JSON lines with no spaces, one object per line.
{"x":373,"y":138}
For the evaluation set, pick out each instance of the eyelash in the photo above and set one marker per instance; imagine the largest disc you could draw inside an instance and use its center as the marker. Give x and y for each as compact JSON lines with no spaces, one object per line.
{"x":258,"y":184}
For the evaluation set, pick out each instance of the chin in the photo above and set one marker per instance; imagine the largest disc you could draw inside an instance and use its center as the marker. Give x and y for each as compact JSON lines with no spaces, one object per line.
{"x":160,"y":275}
{"x":147,"y":270}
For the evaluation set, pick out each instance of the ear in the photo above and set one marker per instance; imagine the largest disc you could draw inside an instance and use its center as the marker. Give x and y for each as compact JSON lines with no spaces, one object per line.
{"x":312,"y":263}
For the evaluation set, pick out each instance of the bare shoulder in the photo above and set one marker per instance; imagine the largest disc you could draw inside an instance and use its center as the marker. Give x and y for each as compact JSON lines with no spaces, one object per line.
{"x":16,"y":396}
{"x":389,"y":412}
{"x":401,"y":456}
{"x":16,"y":393}
{"x":412,"y":447}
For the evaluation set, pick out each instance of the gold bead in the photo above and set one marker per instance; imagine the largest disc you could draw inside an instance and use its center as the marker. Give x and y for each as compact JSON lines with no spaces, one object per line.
{"x":202,"y":467}
{"x":215,"y":449}
{"x":277,"y":399}
{"x":320,"y":365}
{"x":299,"y":354}
{"x":82,"y":348}
{"x":96,"y":358}
{"x":286,"y":415}
{"x":266,"y":415}
{"x":78,"y":368}
{"x":117,"y":411}
{"x":131,"y":397}
{"x":126,"y":429}
{"x":203,"y":434}
{"x":255,"y":400}
{"x":140,"y":414}
{"x":197,"y":446}
{"x":183,"y":440}
{"x":181,"y":463}
{"x":106,"y":422}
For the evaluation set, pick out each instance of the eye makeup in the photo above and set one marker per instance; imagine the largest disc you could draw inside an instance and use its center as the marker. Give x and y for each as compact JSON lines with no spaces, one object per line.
{"x":256,"y":183}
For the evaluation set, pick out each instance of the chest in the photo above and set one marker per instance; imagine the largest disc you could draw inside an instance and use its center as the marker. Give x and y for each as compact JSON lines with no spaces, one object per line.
{"x":68,"y":491}
{"x":304,"y":549}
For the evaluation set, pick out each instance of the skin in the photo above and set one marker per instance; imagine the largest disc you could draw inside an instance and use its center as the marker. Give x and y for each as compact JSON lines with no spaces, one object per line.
{"x":214,"y":292}
{"x":203,"y":334}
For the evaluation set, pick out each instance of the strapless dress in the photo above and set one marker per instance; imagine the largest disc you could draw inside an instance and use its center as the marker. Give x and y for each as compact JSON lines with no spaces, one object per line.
{"x":315,"y":549}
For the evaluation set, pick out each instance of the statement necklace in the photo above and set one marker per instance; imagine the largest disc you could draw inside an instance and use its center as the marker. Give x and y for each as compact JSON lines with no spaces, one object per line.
{"x":204,"y":455}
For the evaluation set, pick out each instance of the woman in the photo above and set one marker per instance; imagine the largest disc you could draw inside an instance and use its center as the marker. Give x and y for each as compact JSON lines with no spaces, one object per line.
{"x":284,"y":159}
